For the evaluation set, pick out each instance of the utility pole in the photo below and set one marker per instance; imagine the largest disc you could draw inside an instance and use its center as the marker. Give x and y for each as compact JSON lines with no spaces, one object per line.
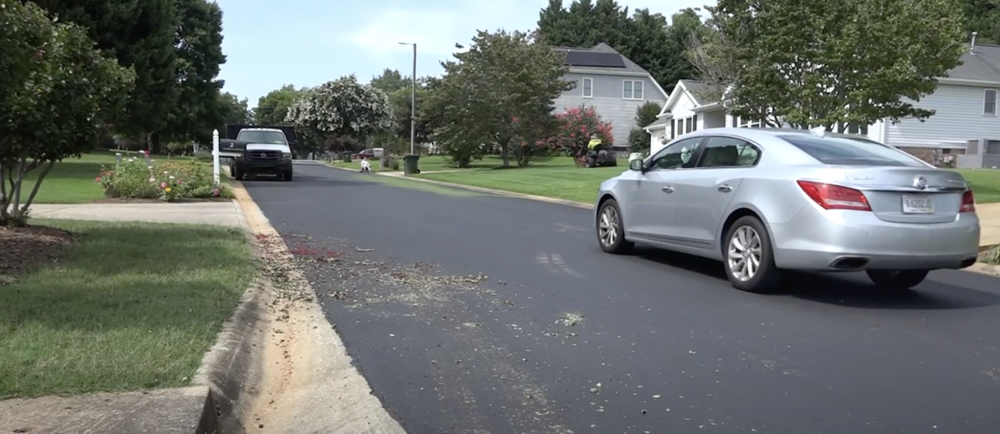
{"x":413,"y":101}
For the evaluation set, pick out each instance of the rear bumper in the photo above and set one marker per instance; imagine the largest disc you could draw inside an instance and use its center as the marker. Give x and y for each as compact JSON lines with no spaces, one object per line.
{"x":275,"y":167}
{"x":821,"y":240}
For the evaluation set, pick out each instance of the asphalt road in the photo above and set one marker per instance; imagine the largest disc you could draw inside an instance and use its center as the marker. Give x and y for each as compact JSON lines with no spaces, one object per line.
{"x":471,"y":313}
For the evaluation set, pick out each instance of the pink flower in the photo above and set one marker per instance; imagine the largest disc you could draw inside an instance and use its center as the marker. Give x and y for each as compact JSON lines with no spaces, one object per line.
{"x":98,"y":179}
{"x":180,"y":181}
{"x":163,"y":185}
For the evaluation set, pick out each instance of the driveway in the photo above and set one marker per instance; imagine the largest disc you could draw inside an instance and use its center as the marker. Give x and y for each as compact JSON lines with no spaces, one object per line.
{"x":471,"y":313}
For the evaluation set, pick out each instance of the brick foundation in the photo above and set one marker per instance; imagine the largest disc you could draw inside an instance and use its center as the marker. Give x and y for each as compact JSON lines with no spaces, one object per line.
{"x":927,"y":154}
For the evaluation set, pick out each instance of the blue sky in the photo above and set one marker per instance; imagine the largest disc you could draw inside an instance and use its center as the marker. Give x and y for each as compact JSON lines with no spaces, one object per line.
{"x":309,"y":42}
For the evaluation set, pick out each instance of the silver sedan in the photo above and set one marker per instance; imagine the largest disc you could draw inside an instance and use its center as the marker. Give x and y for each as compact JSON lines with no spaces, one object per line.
{"x":764,"y":200}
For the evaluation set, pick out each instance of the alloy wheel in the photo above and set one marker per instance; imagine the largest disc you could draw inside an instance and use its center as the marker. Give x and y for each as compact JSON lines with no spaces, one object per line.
{"x":744,"y":254}
{"x":608,"y":227}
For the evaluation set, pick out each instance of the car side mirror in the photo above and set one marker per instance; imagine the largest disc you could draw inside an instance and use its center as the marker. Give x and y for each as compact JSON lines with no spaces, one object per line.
{"x":636,"y":165}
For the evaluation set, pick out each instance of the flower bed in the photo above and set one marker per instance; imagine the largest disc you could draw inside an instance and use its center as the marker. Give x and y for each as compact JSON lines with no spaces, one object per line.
{"x":136,"y":178}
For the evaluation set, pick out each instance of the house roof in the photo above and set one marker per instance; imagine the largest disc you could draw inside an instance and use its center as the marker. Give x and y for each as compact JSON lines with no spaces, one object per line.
{"x":658,"y":123}
{"x":630,"y":66}
{"x":701,"y":92}
{"x":981,"y":65}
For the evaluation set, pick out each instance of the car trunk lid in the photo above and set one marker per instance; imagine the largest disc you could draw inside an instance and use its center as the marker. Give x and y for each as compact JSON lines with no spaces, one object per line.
{"x":909,"y":194}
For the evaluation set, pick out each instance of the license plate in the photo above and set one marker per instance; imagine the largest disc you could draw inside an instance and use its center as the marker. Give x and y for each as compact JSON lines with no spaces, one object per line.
{"x":917,"y":205}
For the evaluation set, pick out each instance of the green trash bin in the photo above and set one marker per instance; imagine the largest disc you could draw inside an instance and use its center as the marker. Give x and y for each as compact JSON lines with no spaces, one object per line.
{"x":345,"y":157}
{"x":410,"y":164}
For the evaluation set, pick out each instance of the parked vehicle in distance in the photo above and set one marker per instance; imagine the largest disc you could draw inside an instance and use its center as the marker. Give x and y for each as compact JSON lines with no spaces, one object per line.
{"x":766,"y":200}
{"x":264,"y":151}
{"x":372,"y":153}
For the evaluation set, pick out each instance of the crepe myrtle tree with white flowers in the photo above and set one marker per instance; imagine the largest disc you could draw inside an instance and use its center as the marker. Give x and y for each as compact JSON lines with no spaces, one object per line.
{"x":343,"y":110}
{"x":58,"y":95}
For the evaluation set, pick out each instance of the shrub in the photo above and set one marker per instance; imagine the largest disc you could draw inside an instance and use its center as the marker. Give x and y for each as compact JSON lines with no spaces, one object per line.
{"x":991,"y":256}
{"x":137,"y":179}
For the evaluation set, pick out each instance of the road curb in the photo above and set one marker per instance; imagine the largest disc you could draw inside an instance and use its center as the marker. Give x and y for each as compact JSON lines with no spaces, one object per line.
{"x":987,"y":269}
{"x":481,"y":189}
{"x":279,"y":361}
{"x":231,"y":369}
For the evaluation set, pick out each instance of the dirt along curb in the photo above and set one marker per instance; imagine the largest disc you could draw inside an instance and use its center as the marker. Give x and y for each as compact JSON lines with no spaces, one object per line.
{"x":279,"y":366}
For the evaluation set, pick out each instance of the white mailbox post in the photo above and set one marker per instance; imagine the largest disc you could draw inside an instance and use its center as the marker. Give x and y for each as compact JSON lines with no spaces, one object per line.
{"x":215,"y":156}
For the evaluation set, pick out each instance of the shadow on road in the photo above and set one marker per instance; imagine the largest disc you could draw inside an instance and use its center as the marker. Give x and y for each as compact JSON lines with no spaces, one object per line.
{"x":842,"y":289}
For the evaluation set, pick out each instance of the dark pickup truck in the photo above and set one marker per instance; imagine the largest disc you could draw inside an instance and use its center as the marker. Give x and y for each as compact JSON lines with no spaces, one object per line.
{"x":258,"y":151}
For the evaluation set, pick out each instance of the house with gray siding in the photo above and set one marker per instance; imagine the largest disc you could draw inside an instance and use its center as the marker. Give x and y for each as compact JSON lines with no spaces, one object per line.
{"x":965,"y":104}
{"x":615,"y":88}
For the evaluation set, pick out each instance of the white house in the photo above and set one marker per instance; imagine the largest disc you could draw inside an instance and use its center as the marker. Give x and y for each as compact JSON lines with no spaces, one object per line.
{"x":611,"y":83}
{"x":965,"y":104}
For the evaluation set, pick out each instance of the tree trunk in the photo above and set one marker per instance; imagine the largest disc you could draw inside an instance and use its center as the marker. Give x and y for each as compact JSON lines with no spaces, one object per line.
{"x":154,"y":143}
{"x":505,"y":153}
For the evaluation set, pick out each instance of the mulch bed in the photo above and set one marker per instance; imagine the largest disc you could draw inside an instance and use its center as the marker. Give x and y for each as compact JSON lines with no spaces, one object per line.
{"x":123,"y":200}
{"x":24,"y":249}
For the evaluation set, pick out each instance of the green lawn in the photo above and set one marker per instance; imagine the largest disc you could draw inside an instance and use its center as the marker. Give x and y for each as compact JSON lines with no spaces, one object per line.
{"x":558,"y":177}
{"x":73,"y":180}
{"x":985,"y":184}
{"x":130,"y":306}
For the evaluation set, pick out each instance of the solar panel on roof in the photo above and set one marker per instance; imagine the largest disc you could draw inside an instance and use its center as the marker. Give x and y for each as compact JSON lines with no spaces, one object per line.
{"x":587,"y":58}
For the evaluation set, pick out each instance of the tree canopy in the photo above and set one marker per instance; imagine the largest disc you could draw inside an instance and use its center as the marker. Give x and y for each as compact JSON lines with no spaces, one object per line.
{"x":820,"y":63}
{"x":272,"y":109}
{"x":499,"y":93}
{"x":342,"y":111}
{"x":58,"y":96}
{"x":175,"y":48}
{"x":644,"y":37}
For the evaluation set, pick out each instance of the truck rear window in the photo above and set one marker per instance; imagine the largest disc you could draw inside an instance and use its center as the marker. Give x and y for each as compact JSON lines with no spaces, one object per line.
{"x":850,"y":151}
{"x":272,"y":137}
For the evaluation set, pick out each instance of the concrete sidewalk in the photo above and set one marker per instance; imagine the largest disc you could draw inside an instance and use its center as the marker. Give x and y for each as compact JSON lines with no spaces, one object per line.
{"x":989,"y":222}
{"x":201,"y":213}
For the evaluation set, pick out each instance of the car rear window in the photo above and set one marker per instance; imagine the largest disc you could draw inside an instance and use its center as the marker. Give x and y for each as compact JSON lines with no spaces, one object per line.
{"x":850,"y":151}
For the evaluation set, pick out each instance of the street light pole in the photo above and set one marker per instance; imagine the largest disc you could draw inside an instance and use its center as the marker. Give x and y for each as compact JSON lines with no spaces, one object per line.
{"x":413,"y":101}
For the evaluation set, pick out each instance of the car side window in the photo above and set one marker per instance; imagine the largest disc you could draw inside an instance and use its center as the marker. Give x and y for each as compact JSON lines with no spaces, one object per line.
{"x":676,"y":156}
{"x":729,"y":152}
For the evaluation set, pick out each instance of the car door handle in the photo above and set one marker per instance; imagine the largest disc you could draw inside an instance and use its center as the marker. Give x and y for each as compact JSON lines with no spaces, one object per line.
{"x":725,"y":188}
{"x":668,"y":189}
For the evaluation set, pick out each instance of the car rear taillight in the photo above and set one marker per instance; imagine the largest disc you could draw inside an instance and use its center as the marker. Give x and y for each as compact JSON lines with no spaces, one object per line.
{"x":968,"y":202}
{"x":831,"y":196}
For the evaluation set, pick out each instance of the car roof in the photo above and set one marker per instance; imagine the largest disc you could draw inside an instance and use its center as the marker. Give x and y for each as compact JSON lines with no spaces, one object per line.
{"x":261,"y":129}
{"x":770,"y":132}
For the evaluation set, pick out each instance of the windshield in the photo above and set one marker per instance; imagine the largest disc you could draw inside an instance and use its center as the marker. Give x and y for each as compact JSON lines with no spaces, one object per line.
{"x":272,"y":137}
{"x":850,"y":151}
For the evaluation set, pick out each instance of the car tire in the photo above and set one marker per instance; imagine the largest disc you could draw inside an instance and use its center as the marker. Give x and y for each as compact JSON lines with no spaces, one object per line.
{"x":897,"y":280}
{"x":238,"y":174}
{"x":591,"y":162}
{"x":287,"y":176}
{"x":611,"y":229}
{"x":762,"y":278}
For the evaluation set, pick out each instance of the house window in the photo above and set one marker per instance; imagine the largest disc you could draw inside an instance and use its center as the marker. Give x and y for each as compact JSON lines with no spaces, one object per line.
{"x":990,"y":102}
{"x":733,"y":122}
{"x":632,"y":89}
{"x":588,"y":87}
{"x":687,"y":125}
{"x":673,"y":128}
{"x":694,"y":124}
